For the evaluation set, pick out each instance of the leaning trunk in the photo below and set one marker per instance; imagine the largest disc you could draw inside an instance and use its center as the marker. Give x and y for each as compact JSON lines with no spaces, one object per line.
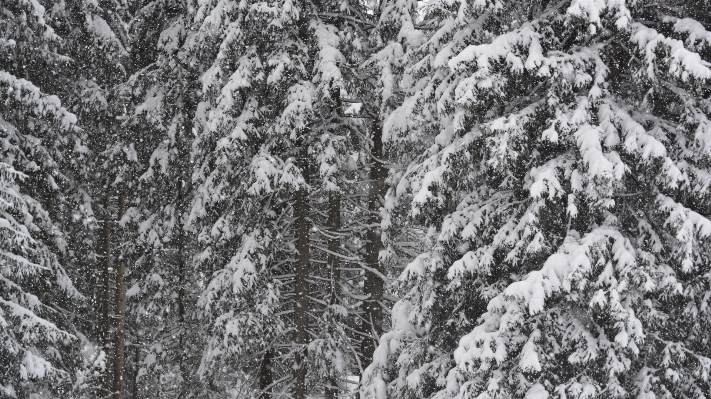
{"x":334,"y":245}
{"x":106,"y":300}
{"x":301,"y":287}
{"x":372,"y":324}
{"x":119,"y":352}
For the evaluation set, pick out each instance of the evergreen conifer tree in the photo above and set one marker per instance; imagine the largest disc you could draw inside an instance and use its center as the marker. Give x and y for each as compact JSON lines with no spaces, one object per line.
{"x":275,"y":195}
{"x":166,"y":339}
{"x":565,"y":191}
{"x":43,"y":151}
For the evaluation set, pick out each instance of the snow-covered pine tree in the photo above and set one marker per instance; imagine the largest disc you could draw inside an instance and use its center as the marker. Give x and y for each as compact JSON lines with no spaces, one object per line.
{"x":167,"y":340}
{"x":219,"y":213}
{"x":386,"y":32}
{"x":339,"y":213}
{"x":42,"y":151}
{"x":251,"y":231}
{"x":274,"y":153}
{"x":94,"y":37}
{"x":566,"y":192}
{"x":391,"y":33}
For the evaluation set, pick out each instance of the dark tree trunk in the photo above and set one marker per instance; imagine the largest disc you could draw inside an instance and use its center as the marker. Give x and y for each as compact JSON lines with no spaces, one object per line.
{"x":136,"y":360}
{"x":301,"y":285}
{"x":372,"y":325}
{"x":182,"y":251}
{"x":181,"y":315}
{"x":266,"y":374}
{"x":106,"y":300}
{"x":119,"y":351}
{"x":334,"y":246}
{"x":182,"y":240}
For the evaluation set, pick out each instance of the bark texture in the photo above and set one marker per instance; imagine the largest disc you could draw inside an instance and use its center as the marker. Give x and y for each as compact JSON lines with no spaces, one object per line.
{"x":106,"y":299}
{"x":266,"y":374}
{"x":372,"y":325}
{"x":120,"y":337}
{"x":301,"y":286}
{"x":334,"y":246}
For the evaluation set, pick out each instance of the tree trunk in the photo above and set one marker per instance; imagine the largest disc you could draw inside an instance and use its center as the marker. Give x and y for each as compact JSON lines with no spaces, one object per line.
{"x":106,"y":301}
{"x":301,"y":285}
{"x":181,"y":317}
{"x":266,"y":374}
{"x":334,"y":246}
{"x":119,"y":352}
{"x":181,"y":306}
{"x":372,"y":326}
{"x":182,"y":240}
{"x":136,"y":360}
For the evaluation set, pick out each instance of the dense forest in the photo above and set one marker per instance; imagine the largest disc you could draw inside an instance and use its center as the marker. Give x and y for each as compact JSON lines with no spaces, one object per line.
{"x":358,"y":199}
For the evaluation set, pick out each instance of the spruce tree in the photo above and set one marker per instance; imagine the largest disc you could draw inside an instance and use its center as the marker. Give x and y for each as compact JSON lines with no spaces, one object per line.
{"x":43,"y":150}
{"x":166,"y":338}
{"x":274,"y":152}
{"x":564,"y":188}
{"x":94,"y":37}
